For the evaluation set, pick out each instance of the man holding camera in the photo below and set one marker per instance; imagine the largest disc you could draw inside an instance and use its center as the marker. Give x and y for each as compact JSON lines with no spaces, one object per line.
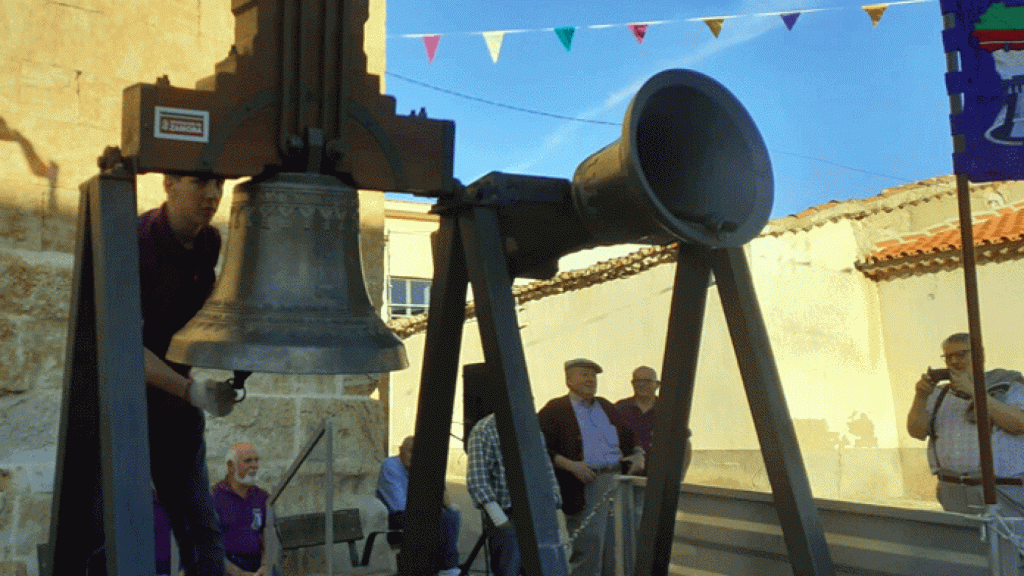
{"x":944,"y":414}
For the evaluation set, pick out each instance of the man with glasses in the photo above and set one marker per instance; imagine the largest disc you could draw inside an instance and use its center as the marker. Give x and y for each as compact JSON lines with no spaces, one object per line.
{"x":944,"y":414}
{"x":638,"y":411}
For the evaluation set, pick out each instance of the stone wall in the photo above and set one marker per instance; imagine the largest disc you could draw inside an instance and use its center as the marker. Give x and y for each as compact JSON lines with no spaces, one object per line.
{"x":63,"y":66}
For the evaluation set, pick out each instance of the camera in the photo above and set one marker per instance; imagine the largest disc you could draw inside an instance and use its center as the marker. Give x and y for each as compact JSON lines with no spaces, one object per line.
{"x":937,"y":375}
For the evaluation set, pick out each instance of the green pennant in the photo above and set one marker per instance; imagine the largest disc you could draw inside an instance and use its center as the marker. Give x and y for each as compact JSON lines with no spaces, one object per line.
{"x":565,"y":35}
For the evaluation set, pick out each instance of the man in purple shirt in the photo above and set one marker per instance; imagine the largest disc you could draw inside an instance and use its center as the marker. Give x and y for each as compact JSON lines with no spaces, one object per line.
{"x":638,"y":411}
{"x":250,"y":541}
{"x":178,"y":250}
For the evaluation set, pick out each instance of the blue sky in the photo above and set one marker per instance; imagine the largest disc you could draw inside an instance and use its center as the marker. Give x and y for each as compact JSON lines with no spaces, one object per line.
{"x":845,"y":109}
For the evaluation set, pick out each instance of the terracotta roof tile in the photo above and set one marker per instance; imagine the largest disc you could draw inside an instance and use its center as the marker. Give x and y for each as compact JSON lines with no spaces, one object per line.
{"x":940,"y":246}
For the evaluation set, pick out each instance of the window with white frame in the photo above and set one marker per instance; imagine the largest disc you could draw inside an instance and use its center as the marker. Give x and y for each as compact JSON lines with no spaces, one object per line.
{"x":408,"y":296}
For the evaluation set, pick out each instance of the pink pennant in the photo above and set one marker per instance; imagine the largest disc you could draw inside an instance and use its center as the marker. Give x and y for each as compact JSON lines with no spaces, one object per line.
{"x":639,"y":30}
{"x":431,"y":44}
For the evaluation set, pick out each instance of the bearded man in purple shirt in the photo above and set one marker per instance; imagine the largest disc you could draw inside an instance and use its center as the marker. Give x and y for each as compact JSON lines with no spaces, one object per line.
{"x":250,"y":541}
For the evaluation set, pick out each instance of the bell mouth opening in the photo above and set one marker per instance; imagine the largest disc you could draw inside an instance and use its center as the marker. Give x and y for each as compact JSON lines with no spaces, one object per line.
{"x":701,"y":158}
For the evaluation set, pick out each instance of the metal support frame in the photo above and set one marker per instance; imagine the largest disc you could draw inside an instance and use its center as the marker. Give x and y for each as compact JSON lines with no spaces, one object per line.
{"x":470,"y":250}
{"x":102,"y":468}
{"x":798,"y":516}
{"x":329,"y":498}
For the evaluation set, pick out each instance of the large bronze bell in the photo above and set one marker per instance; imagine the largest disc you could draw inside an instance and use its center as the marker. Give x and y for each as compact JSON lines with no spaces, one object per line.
{"x":291,"y":296}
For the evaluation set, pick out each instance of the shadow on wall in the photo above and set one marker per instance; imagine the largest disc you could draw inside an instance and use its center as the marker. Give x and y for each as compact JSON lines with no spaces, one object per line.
{"x":814,"y":434}
{"x":42,"y":169}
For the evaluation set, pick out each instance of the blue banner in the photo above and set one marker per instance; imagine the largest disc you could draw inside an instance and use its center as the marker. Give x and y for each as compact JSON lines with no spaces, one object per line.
{"x":989,"y":37}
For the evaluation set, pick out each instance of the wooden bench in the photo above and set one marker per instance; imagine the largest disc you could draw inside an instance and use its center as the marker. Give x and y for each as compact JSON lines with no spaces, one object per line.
{"x":307,"y":530}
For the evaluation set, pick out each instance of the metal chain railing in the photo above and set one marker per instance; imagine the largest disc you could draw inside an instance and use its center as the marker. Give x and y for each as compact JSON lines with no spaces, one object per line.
{"x":603,"y":504}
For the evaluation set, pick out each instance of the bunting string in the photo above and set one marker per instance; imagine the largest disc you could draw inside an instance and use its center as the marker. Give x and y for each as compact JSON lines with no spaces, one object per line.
{"x":494,"y":39}
{"x":499,"y":104}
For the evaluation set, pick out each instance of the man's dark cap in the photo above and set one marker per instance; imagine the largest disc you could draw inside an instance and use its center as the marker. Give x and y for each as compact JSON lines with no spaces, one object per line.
{"x":583,"y":363}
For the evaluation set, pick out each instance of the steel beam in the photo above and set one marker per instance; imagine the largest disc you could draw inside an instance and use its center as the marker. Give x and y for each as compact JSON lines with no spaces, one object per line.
{"x":671,"y":427}
{"x":447,"y":314}
{"x":798,"y":516}
{"x":523,"y":452}
{"x":102,"y":478}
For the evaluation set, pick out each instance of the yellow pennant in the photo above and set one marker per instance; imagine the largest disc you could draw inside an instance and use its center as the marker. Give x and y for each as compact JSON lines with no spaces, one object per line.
{"x":875,"y":11}
{"x":715,"y":25}
{"x":494,"y":41}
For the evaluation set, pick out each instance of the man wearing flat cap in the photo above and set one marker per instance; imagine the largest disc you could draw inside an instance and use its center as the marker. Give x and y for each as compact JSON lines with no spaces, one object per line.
{"x":588,"y":445}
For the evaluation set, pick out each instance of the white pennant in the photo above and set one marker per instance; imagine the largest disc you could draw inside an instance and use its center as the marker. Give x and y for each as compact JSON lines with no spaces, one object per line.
{"x":494,"y":41}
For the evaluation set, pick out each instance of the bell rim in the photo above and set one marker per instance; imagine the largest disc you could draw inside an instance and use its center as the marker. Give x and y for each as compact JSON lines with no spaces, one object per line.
{"x":290,"y":359}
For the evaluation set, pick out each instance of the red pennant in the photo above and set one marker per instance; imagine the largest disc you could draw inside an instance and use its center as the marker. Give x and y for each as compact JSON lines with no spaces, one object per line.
{"x":639,"y":30}
{"x":431,"y":44}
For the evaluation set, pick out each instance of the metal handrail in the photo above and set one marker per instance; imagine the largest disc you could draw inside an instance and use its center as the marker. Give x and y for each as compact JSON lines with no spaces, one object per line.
{"x":326,"y":429}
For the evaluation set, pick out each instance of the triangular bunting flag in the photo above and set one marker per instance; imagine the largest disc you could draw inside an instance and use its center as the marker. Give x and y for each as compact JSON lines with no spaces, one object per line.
{"x":494,"y":40}
{"x":875,"y":11}
{"x":639,"y":30}
{"x":565,"y":35}
{"x":790,"y":19}
{"x":431,"y":44}
{"x":715,"y":25}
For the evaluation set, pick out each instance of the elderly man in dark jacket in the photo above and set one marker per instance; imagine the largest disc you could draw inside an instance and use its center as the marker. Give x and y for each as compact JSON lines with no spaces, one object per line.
{"x":588,"y":445}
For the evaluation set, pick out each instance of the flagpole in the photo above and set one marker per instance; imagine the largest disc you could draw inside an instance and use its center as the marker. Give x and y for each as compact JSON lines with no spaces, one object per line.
{"x":963,"y":194}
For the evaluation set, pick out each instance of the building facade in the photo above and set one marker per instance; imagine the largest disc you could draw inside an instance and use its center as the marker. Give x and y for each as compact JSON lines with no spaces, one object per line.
{"x":856,"y":297}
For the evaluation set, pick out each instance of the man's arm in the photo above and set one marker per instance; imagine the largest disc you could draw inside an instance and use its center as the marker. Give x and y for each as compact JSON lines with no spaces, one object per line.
{"x":477,"y":468}
{"x":552,"y":427}
{"x":215,"y":397}
{"x":637,"y":461}
{"x":159,"y":375}
{"x":1007,"y":416}
{"x":918,"y":418}
{"x":482,"y":449}
{"x":578,"y":468}
{"x":632,"y":453}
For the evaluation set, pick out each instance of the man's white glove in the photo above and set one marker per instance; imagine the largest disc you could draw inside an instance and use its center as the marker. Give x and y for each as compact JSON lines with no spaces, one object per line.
{"x":497,"y":515}
{"x":217,"y":398}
